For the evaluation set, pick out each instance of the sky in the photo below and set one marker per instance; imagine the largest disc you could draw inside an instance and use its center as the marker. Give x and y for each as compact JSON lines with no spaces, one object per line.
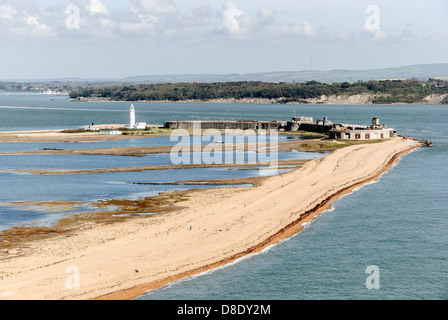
{"x":47,"y":39}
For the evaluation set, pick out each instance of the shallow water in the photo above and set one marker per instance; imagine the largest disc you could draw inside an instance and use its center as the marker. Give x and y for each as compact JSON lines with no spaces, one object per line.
{"x":136,"y":142}
{"x":23,"y":187}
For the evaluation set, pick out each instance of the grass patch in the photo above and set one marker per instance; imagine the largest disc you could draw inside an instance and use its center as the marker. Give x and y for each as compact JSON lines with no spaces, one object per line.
{"x":75,"y":131}
{"x":15,"y":236}
{"x":147,"y":132}
{"x":304,"y":133}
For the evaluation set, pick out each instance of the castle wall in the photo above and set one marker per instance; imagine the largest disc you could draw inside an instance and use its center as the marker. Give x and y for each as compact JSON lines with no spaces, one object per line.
{"x":243,"y":125}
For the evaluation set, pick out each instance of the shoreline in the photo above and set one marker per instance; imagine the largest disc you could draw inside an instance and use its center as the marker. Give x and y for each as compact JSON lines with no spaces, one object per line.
{"x":288,"y":231}
{"x":342,"y":99}
{"x":49,"y":136}
{"x":41,"y":262}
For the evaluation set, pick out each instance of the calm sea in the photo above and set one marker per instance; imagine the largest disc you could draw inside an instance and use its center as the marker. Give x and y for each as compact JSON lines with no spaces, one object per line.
{"x":395,"y":227}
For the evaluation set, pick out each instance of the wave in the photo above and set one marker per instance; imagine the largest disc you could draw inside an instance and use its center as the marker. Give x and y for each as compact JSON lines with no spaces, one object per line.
{"x":116,"y":182}
{"x":59,"y":109}
{"x":208,"y":272}
{"x":307,"y":224}
{"x":364,"y":185}
{"x":16,"y":173}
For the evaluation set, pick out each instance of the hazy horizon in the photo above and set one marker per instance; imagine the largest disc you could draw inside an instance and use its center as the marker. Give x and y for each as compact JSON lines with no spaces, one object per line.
{"x":68,"y":78}
{"x":115,"y":39}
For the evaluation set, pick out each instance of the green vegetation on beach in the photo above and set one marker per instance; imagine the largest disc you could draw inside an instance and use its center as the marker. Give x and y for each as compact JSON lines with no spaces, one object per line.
{"x":384,"y":91}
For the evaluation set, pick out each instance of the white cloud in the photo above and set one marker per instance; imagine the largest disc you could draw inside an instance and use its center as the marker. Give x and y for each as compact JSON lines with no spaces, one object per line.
{"x":196,"y":24}
{"x":308,"y":29}
{"x":199,"y":16}
{"x":376,"y":32}
{"x":230,"y":18}
{"x":161,"y":20}
{"x":191,"y":35}
{"x":21,"y":5}
{"x":7,"y":12}
{"x":146,"y":25}
{"x":294,"y":30}
{"x":155,"y":19}
{"x":107,"y":23}
{"x":265,"y":16}
{"x":341,"y":34}
{"x":154,"y":7}
{"x":379,"y":35}
{"x":24,"y":18}
{"x":97,"y":7}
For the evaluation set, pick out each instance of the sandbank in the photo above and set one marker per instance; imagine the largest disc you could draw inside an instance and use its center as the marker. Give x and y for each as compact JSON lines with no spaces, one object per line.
{"x":212,"y":228}
{"x":73,"y":136}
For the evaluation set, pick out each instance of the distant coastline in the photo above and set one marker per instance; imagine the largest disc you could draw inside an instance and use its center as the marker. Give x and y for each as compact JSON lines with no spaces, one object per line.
{"x":408,"y":91}
{"x":358,"y":99}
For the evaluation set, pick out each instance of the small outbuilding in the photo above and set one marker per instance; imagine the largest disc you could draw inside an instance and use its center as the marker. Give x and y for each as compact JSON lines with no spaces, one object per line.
{"x":92,"y":127}
{"x":110,"y":132}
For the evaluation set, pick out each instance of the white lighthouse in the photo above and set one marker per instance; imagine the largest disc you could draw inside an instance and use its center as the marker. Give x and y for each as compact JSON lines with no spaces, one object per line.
{"x":132,"y":122}
{"x":132,"y":117}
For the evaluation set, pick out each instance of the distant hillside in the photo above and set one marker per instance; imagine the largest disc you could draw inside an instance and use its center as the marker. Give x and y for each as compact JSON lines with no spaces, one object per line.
{"x":372,"y":91}
{"x":420,"y":72}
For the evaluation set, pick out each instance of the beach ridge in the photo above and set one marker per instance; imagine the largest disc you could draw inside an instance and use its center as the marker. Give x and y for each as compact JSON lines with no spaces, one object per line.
{"x":289,"y":230}
{"x":215,"y":227}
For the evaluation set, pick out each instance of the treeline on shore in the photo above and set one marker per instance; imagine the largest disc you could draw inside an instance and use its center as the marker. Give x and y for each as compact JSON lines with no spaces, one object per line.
{"x":385,"y":91}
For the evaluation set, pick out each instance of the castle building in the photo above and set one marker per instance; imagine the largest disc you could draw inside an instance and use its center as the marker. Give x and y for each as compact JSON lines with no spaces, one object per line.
{"x":356,"y":132}
{"x":333,"y":130}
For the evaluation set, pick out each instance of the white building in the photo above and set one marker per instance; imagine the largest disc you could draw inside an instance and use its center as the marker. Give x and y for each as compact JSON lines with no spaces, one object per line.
{"x":357,"y":132}
{"x":132,"y":116}
{"x":92,"y":127}
{"x":110,"y":131}
{"x":362,"y":134}
{"x":132,"y":122}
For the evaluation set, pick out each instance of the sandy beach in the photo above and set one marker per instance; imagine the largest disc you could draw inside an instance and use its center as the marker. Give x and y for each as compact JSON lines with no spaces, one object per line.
{"x":67,"y":136}
{"x":214,"y":227}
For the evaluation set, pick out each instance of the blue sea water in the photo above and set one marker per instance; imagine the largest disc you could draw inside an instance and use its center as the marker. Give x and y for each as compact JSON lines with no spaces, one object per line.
{"x":397,"y":225}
